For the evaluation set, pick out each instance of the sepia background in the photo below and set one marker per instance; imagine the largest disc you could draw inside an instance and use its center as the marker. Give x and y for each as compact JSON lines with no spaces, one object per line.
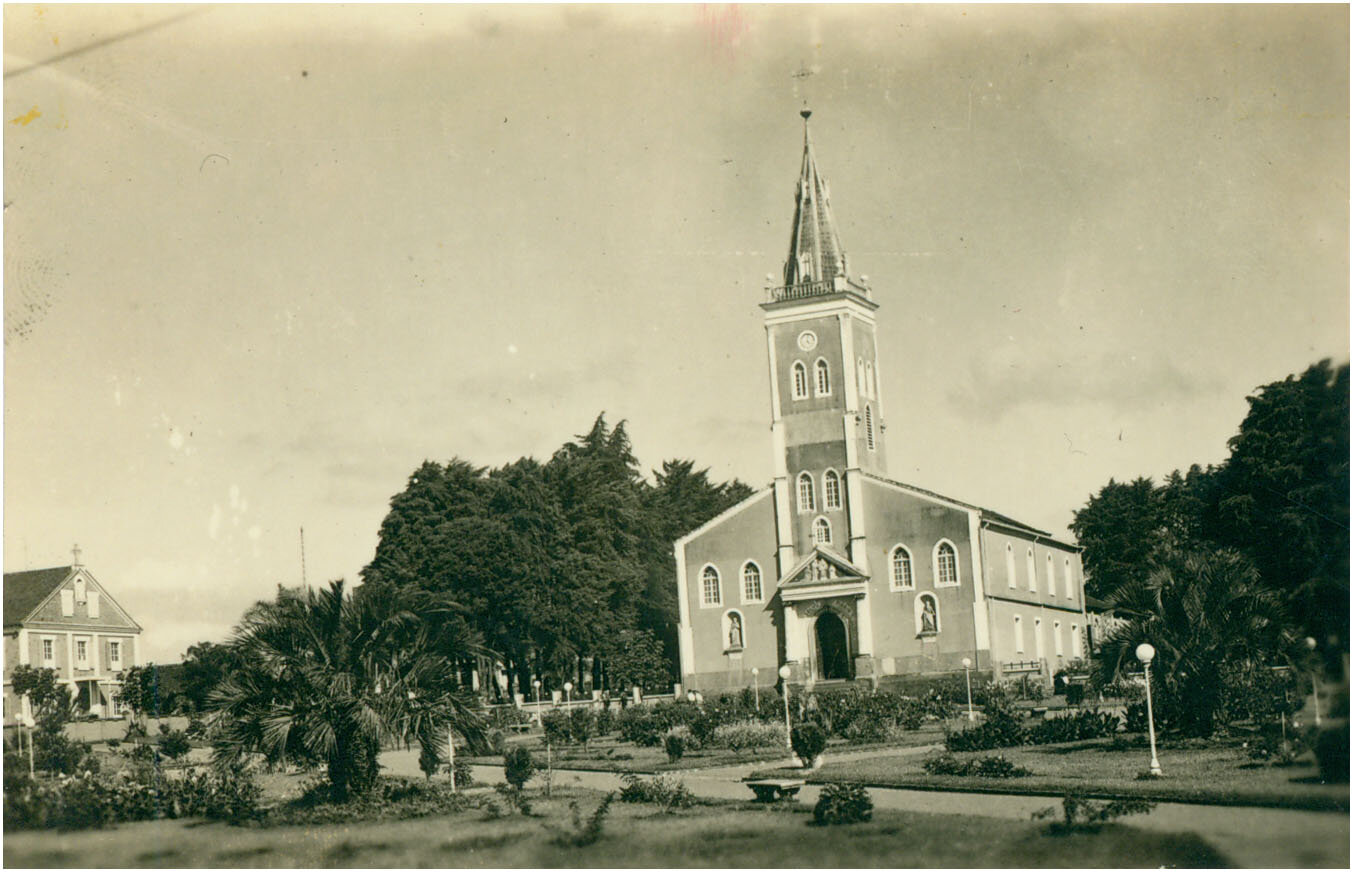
{"x":262,"y":261}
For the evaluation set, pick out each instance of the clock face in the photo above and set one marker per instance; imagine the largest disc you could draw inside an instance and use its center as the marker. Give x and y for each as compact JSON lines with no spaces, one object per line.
{"x":807,"y":340}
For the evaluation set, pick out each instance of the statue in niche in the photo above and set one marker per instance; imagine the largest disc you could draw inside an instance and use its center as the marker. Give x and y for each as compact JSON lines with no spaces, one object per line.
{"x":929,"y":620}
{"x":735,"y":632}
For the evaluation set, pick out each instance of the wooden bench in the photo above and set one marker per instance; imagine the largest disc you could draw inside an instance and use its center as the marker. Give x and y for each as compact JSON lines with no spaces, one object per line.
{"x":772,"y":789}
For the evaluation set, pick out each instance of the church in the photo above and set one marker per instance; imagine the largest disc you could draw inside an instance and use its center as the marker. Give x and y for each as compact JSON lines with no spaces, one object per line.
{"x":836,"y":570}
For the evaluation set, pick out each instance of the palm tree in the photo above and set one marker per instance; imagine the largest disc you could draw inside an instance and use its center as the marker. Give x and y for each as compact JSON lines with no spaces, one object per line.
{"x":1208,"y":615}
{"x":326,"y":677}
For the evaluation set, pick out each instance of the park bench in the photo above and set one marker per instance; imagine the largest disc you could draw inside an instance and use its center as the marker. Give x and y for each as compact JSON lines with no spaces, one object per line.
{"x":771,"y":789}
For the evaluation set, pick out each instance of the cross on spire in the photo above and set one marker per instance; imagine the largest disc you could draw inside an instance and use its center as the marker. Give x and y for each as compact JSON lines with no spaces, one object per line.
{"x":75,"y":552}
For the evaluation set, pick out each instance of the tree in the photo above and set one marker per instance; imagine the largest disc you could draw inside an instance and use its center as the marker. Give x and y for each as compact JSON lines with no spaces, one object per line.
{"x":326,"y":676}
{"x":49,"y":699}
{"x":1205,"y":612}
{"x":141,"y":694}
{"x":204,"y":666}
{"x":1117,"y":532}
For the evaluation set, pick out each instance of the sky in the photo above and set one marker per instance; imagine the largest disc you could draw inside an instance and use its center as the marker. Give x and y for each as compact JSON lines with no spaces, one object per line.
{"x":261,"y":262}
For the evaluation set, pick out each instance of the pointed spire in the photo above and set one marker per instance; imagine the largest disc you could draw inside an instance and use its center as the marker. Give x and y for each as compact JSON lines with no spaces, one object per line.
{"x":815,"y":252}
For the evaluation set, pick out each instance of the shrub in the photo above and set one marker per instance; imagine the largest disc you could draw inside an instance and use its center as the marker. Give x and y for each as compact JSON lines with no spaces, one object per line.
{"x":1001,"y":729}
{"x":505,"y":716}
{"x":1073,"y":727}
{"x":1273,"y":748}
{"x":196,"y":728}
{"x":843,"y":804}
{"x":605,"y":721}
{"x":91,"y":801}
{"x":675,"y":745}
{"x":582,"y":725}
{"x":390,"y":799}
{"x":748,"y":734}
{"x":663,"y":790}
{"x":174,"y":744}
{"x":1083,"y":815}
{"x":1135,"y":718}
{"x":984,"y":767}
{"x":808,"y":742}
{"x":518,"y":767}
{"x":114,"y":744}
{"x":1075,"y":694}
{"x":1331,"y":753}
{"x":583,"y":834}
{"x":557,"y":726}
{"x":645,"y":725}
{"x":464,"y":777}
{"x":164,"y":728}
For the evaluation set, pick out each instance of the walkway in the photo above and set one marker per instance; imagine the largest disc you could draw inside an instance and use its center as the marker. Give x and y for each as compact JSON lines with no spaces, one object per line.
{"x":1251,"y":837}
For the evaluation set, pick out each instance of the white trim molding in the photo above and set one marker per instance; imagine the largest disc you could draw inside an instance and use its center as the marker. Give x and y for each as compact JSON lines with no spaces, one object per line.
{"x":935,"y":565}
{"x":893,"y":584}
{"x":760,"y":583}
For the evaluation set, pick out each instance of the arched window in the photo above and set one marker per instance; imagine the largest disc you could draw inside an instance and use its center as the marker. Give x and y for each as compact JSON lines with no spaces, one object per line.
{"x":800,"y":380}
{"x":1075,"y":641}
{"x":1038,"y":638}
{"x":1010,"y":564}
{"x":871,"y":388}
{"x":831,"y":490}
{"x":732,"y":631}
{"x":1057,"y":638}
{"x":901,"y":568}
{"x":1019,"y":635}
{"x":1052,"y":577}
{"x":806,"y":501}
{"x":822,"y":532}
{"x":823,"y":377}
{"x":859,"y":376}
{"x":1067,"y":579}
{"x":709,"y":587}
{"x":927,"y":615}
{"x":946,"y":564}
{"x":869,"y":428}
{"x":1030,"y":568}
{"x":751,"y":583}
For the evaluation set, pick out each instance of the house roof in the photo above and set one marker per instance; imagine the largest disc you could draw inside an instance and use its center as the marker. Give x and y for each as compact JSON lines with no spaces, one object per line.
{"x":987,"y":514}
{"x":25,"y":591}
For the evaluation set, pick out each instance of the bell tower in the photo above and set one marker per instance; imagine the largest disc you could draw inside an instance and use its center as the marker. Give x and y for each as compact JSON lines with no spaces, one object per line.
{"x":826,"y":411}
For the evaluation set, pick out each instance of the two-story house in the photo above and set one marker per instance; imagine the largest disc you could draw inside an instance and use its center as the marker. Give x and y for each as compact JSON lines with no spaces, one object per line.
{"x":63,"y":619}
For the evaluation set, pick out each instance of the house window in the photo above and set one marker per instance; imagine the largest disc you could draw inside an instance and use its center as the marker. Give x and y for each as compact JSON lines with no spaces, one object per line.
{"x":115,"y":655}
{"x":927,"y":615}
{"x":1010,"y":564}
{"x":901,"y":564}
{"x":751,"y":583}
{"x":82,"y":653}
{"x":67,"y":603}
{"x":823,"y":378}
{"x":732,"y":635}
{"x":1057,"y":638}
{"x":831,"y":489}
{"x":946,"y":564}
{"x":822,"y":532}
{"x":709,"y":586}
{"x":869,"y":428}
{"x":1019,"y":635}
{"x":1052,"y":577}
{"x":1038,"y":638}
{"x":48,"y":651}
{"x":1030,"y":568}
{"x":859,"y":375}
{"x":1067,"y":579}
{"x":800,"y":381}
{"x":79,"y":590}
{"x":806,"y":501}
{"x":1075,"y":641}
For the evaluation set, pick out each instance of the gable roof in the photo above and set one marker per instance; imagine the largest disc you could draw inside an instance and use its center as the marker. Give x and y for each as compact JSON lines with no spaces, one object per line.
{"x":25,"y":591}
{"x":986,"y":514}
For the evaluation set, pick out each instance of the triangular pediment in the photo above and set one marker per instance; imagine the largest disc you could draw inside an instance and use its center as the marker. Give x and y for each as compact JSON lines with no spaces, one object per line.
{"x":822,"y":566}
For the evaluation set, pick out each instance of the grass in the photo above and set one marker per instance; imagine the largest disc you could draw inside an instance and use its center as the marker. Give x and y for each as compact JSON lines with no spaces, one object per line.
{"x":1218,"y":772}
{"x":723,"y":834}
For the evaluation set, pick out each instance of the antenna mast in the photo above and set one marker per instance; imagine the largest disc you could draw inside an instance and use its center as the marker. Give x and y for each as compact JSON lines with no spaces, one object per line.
{"x":305,"y":584}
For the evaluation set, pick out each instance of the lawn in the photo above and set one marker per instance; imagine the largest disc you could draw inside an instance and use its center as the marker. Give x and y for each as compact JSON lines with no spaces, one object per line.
{"x":611,"y":754}
{"x":1218,"y":771}
{"x":739,"y":834}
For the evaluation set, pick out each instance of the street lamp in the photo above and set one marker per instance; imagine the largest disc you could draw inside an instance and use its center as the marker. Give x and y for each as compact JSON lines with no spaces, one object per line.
{"x":967,"y":674}
{"x":784,"y":677}
{"x":1315,"y":680}
{"x":568,"y":694}
{"x":1146,"y":653}
{"x":756,"y":691}
{"x":535,"y":685}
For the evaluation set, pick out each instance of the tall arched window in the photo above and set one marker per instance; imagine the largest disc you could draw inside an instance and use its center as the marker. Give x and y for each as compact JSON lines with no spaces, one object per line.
{"x":869,"y":379}
{"x":823,"y":376}
{"x":901,"y":568}
{"x":800,"y":380}
{"x":1019,"y":635}
{"x":1010,"y":564}
{"x":1052,"y":577}
{"x":869,"y":428}
{"x":822,"y":532}
{"x":1038,"y":638}
{"x":1030,"y":568}
{"x":831,"y":489}
{"x":946,"y":564}
{"x":859,"y":376}
{"x":806,"y":501}
{"x":709,"y":586}
{"x":927,"y":610}
{"x":751,"y":583}
{"x":1067,"y":580}
{"x":1075,"y":641}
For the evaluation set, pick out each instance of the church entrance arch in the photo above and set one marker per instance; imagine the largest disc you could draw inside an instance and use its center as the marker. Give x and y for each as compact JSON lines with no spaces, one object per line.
{"x":832,"y":651}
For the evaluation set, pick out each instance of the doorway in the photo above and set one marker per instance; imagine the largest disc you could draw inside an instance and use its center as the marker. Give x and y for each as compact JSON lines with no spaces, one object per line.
{"x":832,"y":651}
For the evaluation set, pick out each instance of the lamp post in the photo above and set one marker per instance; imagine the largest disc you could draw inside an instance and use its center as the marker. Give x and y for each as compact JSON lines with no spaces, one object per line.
{"x":1146,"y":653}
{"x":784,"y":677}
{"x":756,"y":691}
{"x":568,"y":694}
{"x":28,"y":723}
{"x":1315,"y":680}
{"x":535,"y":685}
{"x":967,"y":675}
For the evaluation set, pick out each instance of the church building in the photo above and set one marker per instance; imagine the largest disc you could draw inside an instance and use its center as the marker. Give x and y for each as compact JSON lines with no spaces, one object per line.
{"x":837,"y":570}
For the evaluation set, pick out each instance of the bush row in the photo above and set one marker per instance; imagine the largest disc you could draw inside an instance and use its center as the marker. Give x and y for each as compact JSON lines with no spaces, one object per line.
{"x":91,"y":800}
{"x":982,"y":767}
{"x":1004,"y":728}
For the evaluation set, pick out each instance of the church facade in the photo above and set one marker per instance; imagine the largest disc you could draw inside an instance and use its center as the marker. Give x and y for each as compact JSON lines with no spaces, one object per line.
{"x":836,"y":570}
